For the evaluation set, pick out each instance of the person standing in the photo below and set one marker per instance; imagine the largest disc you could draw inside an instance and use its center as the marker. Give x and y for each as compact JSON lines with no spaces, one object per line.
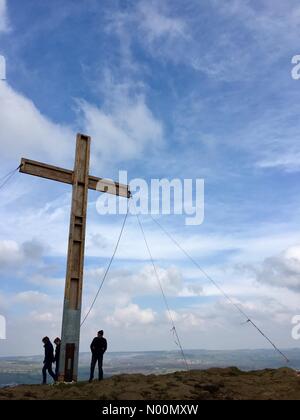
{"x":98,"y":348}
{"x":48,"y":360}
{"x":57,"y":343}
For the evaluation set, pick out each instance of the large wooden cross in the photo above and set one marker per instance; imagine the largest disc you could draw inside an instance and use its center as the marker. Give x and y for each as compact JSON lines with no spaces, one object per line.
{"x":82,"y":182}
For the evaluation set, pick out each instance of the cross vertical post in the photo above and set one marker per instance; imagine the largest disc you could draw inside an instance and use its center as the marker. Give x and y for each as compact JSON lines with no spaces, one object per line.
{"x":81,"y":181}
{"x":68,"y":365}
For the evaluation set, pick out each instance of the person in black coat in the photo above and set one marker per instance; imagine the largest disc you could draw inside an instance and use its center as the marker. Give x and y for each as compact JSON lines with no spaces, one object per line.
{"x":98,"y":348}
{"x":57,"y":343}
{"x":48,"y":360}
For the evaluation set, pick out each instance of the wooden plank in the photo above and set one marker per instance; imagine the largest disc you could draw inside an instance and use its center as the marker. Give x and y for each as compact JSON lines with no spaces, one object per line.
{"x":74,"y":279}
{"x":43,"y":170}
{"x":54,"y":173}
{"x":108,"y":186}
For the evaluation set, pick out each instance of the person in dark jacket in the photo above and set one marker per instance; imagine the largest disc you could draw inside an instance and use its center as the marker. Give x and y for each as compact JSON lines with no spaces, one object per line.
{"x":98,"y":348}
{"x":57,"y":343}
{"x":49,"y":357}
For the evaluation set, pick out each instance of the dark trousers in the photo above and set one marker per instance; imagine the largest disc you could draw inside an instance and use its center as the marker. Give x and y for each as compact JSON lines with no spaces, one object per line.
{"x":48,"y":367}
{"x":96,"y":358}
{"x":57,"y":369}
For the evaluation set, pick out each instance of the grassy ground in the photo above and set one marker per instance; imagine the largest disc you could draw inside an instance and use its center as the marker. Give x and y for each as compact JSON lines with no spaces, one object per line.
{"x":212,"y":384}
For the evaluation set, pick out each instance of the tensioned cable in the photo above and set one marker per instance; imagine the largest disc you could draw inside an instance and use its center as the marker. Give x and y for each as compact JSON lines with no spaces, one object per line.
{"x":249,"y":321}
{"x":108,"y":267}
{"x":174,"y":330}
{"x":5,"y":179}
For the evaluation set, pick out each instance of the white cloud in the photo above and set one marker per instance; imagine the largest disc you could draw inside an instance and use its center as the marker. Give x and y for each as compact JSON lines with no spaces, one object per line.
{"x":123,"y":129}
{"x":152,"y":25}
{"x":30,"y":316}
{"x":265,"y":24}
{"x":271,"y":137}
{"x":124,"y":132}
{"x":131,"y":315}
{"x":144,"y":282}
{"x":30,"y":134}
{"x":31,"y":297}
{"x":42,"y":317}
{"x":282,"y":270}
{"x":287,"y":161}
{"x":174,"y":37}
{"x":12,"y":254}
{"x":43,"y":280}
{"x":50,"y":221}
{"x":4,"y":23}
{"x":128,"y":325}
{"x":179,"y":35}
{"x":185,"y":319}
{"x":157,"y":25}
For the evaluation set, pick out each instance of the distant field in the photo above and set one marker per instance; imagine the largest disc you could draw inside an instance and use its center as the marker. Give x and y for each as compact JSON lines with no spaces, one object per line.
{"x":27,"y":370}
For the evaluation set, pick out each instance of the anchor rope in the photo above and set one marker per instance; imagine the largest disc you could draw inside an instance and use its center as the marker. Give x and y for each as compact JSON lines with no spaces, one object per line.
{"x":205,"y":274}
{"x":174,"y":330}
{"x":108,"y":267}
{"x":6,"y":178}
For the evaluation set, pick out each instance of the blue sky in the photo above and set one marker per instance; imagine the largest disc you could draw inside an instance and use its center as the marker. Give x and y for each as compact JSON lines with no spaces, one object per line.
{"x":166,"y":89}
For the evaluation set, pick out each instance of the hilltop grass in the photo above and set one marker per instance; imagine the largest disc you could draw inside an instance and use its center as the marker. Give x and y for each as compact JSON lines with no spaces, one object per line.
{"x":212,"y":384}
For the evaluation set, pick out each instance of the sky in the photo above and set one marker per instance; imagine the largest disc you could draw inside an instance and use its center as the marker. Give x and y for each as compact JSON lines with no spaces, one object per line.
{"x":166,"y":89}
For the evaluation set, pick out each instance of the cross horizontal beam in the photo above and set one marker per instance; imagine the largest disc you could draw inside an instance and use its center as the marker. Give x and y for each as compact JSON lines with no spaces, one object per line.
{"x":66,"y":176}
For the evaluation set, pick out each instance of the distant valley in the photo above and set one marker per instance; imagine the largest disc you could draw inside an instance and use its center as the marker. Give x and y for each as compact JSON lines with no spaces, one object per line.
{"x":27,"y":370}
